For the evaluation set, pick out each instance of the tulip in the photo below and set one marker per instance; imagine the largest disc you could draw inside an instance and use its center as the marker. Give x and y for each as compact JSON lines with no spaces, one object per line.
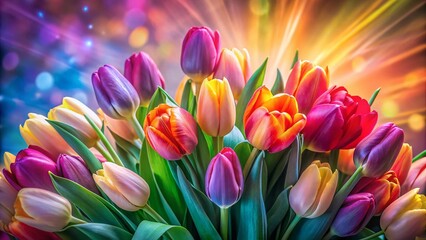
{"x":180,"y":89}
{"x":7,"y":197}
{"x":23,"y":231}
{"x":385,"y":189}
{"x":416,"y":177}
{"x":119,"y":126}
{"x":200,"y":50}
{"x":216,"y":108}
{"x":125,"y":188}
{"x":114,"y":93}
{"x":224,"y":179}
{"x":354,"y":214}
{"x":8,"y":158}
{"x":76,"y":170}
{"x":306,"y":83}
{"x":31,"y":169}
{"x":37,"y":131}
{"x":143,"y":74}
{"x":338,"y":120}
{"x":171,"y":131}
{"x":72,"y":112}
{"x":313,"y":192}
{"x":402,"y":163}
{"x":42,"y":209}
{"x":272,"y":122}
{"x":234,"y":65}
{"x":405,"y":218}
{"x":377,"y":152}
{"x":345,"y":161}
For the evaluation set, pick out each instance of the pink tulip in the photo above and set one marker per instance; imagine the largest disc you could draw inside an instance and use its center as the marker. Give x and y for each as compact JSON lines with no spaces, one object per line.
{"x":416,"y":177}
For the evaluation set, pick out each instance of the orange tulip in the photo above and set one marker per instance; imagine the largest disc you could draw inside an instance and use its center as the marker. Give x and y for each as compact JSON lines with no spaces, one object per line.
{"x":216,"y":107}
{"x":312,"y":194}
{"x":402,"y":164}
{"x":272,"y":122}
{"x":345,"y":162}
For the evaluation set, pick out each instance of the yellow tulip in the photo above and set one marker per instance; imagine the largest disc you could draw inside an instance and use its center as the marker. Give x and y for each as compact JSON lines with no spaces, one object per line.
{"x":8,"y":158}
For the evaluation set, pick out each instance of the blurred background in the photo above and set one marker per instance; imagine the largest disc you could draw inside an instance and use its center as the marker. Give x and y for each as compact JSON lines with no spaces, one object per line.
{"x":50,"y":48}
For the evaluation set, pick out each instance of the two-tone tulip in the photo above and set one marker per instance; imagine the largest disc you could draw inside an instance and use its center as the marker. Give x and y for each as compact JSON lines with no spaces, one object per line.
{"x":377,"y":152}
{"x":38,"y":132}
{"x":31,"y":169}
{"x":345,"y":161}
{"x":125,"y":188}
{"x":306,"y":83}
{"x":76,"y":170}
{"x":72,"y":112}
{"x":114,"y":93}
{"x":338,"y":120}
{"x":42,"y":209}
{"x":272,"y":122}
{"x":405,"y":218}
{"x":402,"y":163}
{"x":200,"y":51}
{"x":234,"y":65}
{"x":7,"y":197}
{"x":313,"y":192}
{"x":171,"y":131}
{"x":224,"y":179}
{"x":385,"y":189}
{"x":416,"y":177}
{"x":143,"y":74}
{"x":216,"y":107}
{"x":354,"y":214}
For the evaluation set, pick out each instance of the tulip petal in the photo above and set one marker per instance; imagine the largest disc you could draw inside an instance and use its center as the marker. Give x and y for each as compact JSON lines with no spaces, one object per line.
{"x":325,"y":194}
{"x":304,"y":192}
{"x":410,"y":225}
{"x":261,"y":129}
{"x":396,"y":208}
{"x":162,"y":144}
{"x":260,"y":96}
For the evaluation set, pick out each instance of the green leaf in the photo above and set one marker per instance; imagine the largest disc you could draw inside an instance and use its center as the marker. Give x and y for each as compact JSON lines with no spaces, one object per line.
{"x":233,"y":138}
{"x":278,"y":84}
{"x":278,"y":211}
{"x":148,"y":230}
{"x":202,"y":154}
{"x":243,"y":150}
{"x":419,"y":156}
{"x":94,"y":231}
{"x":204,"y":226}
{"x":130,"y":149}
{"x":277,"y":169}
{"x":160,"y":96}
{"x":188,"y":97}
{"x":79,"y":147}
{"x":251,"y":216}
{"x":295,"y":59}
{"x":294,"y":164}
{"x":141,"y":114}
{"x":255,"y":81}
{"x":363,"y":234}
{"x":373,"y":97}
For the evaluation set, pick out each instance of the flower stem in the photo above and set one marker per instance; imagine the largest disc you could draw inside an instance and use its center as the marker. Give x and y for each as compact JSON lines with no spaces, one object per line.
{"x":75,"y":220}
{"x":224,"y":220}
{"x":149,"y":210}
{"x":249,"y":162}
{"x":373,"y":235}
{"x":291,"y":227}
{"x":197,"y":87}
{"x":103,"y":151}
{"x":191,"y":171}
{"x":139,"y":131}
{"x":217,"y":144}
{"x":348,"y":186}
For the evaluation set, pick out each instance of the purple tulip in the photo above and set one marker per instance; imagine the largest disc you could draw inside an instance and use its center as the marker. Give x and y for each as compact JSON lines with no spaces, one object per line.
{"x":378,"y":151}
{"x":200,"y":51}
{"x":31,"y":169}
{"x":353,"y":216}
{"x":74,"y":169}
{"x":115,"y":95}
{"x":224,"y":179}
{"x":143,"y":74}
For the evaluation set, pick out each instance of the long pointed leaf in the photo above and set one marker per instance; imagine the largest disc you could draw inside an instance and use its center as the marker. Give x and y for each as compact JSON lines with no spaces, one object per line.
{"x":148,"y":230}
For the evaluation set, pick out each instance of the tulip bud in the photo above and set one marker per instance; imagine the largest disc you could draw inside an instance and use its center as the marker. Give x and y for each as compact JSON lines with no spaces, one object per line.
{"x":385,"y":189}
{"x":7,"y":197}
{"x":38,"y":132}
{"x":306,"y":83}
{"x":345,"y":162}
{"x":143,"y":74}
{"x":114,"y":93}
{"x":354,"y":214}
{"x":416,"y":177}
{"x":272,"y":122}
{"x":76,"y":170}
{"x":378,"y":151}
{"x":235,"y":67}
{"x":171,"y":131}
{"x":72,"y":112}
{"x":120,"y":127}
{"x":313,"y":192}
{"x":125,"y":188}
{"x":31,"y":169}
{"x":8,"y":158}
{"x":216,"y":108}
{"x":402,"y":163}
{"x":42,"y":209}
{"x":405,"y":218}
{"x":200,"y":50}
{"x":23,"y":231}
{"x":224,"y":179}
{"x":338,"y":120}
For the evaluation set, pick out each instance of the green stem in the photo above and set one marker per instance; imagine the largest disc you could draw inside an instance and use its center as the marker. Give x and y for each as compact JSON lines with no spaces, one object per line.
{"x":328,"y":236}
{"x":148,"y":209}
{"x":373,"y":235}
{"x":139,"y":131}
{"x":103,"y":151}
{"x":348,"y":186}
{"x":249,"y":162}
{"x":291,"y":227}
{"x":197,"y":86}
{"x":75,"y":220}
{"x":224,"y":221}
{"x":217,"y":144}
{"x":191,"y":171}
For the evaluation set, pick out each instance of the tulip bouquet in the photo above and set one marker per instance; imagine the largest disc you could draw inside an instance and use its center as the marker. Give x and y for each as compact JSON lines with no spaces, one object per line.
{"x":227,"y":159}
